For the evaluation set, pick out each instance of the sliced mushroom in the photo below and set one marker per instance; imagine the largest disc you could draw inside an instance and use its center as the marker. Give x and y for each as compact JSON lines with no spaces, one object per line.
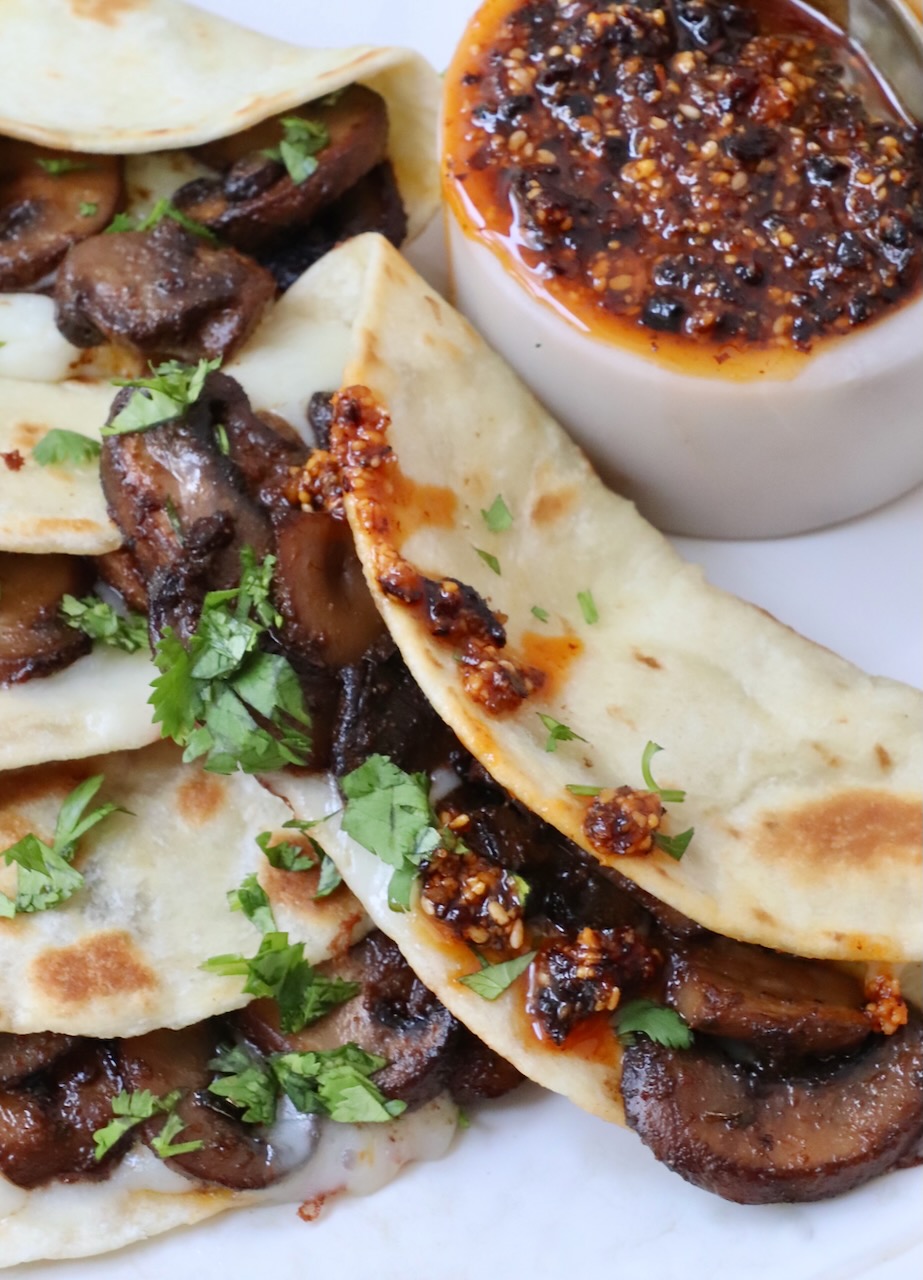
{"x":119,"y":570}
{"x":163,"y":293}
{"x":233,"y":1154}
{"x":50,"y":200}
{"x":784,"y":1006}
{"x":320,"y":589}
{"x":753,"y":1139}
{"x":255,"y":199}
{"x":46,"y":1131}
{"x":34,"y":641}
{"x":23,"y":1056}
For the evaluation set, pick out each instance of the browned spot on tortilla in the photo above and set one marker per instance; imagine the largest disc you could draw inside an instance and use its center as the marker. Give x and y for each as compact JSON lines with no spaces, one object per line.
{"x":45,"y":528}
{"x":647,"y":660}
{"x":343,"y":938}
{"x":553,"y":504}
{"x":551,"y":655}
{"x":106,"y":964}
{"x":861,"y":827}
{"x":27,"y":434}
{"x":107,"y":12}
{"x":433,"y":306}
{"x":884,"y":756}
{"x":763,"y":916}
{"x":827,"y":755}
{"x":199,"y":798}
{"x":293,"y":889}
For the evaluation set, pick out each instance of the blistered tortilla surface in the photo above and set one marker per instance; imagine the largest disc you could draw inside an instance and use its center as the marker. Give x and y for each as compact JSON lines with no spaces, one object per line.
{"x":802,"y":774}
{"x":123,"y":955}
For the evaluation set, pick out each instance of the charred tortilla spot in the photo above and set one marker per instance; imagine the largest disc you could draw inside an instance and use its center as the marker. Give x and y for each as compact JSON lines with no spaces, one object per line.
{"x":646,"y":660}
{"x":852,"y":828}
{"x":102,"y":966}
{"x":293,"y":889}
{"x":554,"y":505}
{"x":883,"y":756}
{"x":199,"y":798}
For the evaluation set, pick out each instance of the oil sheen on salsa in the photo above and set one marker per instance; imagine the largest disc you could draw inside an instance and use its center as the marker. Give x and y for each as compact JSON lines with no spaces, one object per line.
{"x":708,"y":177}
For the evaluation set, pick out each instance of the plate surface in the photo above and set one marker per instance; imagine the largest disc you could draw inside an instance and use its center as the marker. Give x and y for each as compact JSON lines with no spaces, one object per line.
{"x":535,"y":1187}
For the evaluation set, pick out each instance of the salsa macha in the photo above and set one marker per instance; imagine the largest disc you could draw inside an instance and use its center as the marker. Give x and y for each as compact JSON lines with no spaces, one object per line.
{"x":733,"y":174}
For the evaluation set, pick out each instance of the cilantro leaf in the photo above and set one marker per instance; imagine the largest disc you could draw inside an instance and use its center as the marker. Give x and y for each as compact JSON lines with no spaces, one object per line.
{"x":668,"y":797}
{"x":45,"y":876}
{"x":498,"y":516}
{"x":88,"y":209}
{"x":100,"y":621}
{"x":675,"y":846}
{"x":209,"y":692}
{"x":248,"y":1082}
{"x":162,"y":397}
{"x":128,"y":1110}
{"x":301,"y":141}
{"x":164,"y":208}
{"x":542,"y":614}
{"x":285,"y":855}
{"x":280,"y":970}
{"x":329,"y":878}
{"x":557,"y":732}
{"x":61,"y":448}
{"x":252,"y":900}
{"x":588,"y":606}
{"x":58,"y":165}
{"x":660,"y":1024}
{"x":580,"y":789}
{"x":489,"y":559}
{"x":164,"y":1146}
{"x":336,"y":1082}
{"x":491,"y":980}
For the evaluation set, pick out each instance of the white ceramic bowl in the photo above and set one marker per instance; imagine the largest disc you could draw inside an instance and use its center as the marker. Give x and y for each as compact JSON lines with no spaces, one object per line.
{"x":705,"y":455}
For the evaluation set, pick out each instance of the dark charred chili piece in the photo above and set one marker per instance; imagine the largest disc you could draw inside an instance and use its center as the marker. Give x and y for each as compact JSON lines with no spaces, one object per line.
{"x":757,"y":1139}
{"x":254,"y":200}
{"x":43,"y":211}
{"x":34,"y":641}
{"x":572,"y":978}
{"x":623,"y":822}
{"x":47,"y":1126}
{"x":456,"y":612}
{"x":476,"y":899}
{"x":164,"y":293}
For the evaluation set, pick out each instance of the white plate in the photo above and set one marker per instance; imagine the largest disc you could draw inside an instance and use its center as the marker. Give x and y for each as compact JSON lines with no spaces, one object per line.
{"x":535,"y":1188}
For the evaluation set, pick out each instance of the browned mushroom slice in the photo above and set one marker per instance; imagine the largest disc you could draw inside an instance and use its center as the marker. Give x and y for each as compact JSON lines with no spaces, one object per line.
{"x":255,"y":198}
{"x":50,"y":200}
{"x":34,"y":641}
{"x":320,"y":590}
{"x":46,"y":1131}
{"x":267,"y":451}
{"x":233,"y":1154}
{"x":756,"y":1140}
{"x":119,"y":569}
{"x":164,"y":293}
{"x":23,"y":1056}
{"x":784,"y":1006}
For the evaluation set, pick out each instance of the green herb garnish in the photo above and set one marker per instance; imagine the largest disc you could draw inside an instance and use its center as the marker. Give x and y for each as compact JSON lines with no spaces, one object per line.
{"x":162,"y":209}
{"x":61,"y":448}
{"x":100,"y":621}
{"x":491,"y":980}
{"x":675,"y":846}
{"x":542,"y":614}
{"x":328,"y":879}
{"x":88,"y":209}
{"x":301,"y":141}
{"x":557,"y":732}
{"x":130,"y":1109}
{"x":248,"y":1082}
{"x":660,"y":1024}
{"x":668,"y":797}
{"x":209,"y":691}
{"x":581,"y":789}
{"x":251,"y":898}
{"x":588,"y":606}
{"x":280,"y":970}
{"x":166,"y":395}
{"x":497,"y":516}
{"x":489,"y":559}
{"x":58,"y":165}
{"x":45,"y":876}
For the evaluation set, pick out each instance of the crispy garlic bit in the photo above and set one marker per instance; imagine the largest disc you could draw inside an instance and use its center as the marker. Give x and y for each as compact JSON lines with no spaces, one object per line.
{"x":478,"y":900}
{"x":886,"y":1009}
{"x":623,"y":822}
{"x":572,"y":978}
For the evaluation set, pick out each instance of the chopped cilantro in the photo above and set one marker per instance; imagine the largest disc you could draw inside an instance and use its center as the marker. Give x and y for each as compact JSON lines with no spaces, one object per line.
{"x":88,"y":208}
{"x":100,"y":621}
{"x":557,"y":732}
{"x":336,"y":1082}
{"x":542,"y":614}
{"x":497,"y":516}
{"x":588,"y":606}
{"x":248,"y":1082}
{"x":252,"y":900}
{"x":45,"y":875}
{"x":58,"y":165}
{"x":579,"y":789}
{"x":675,"y":846}
{"x":388,"y":812}
{"x":162,"y":209}
{"x":285,"y":855}
{"x":161,"y":398}
{"x":221,"y":438}
{"x":463,"y":1119}
{"x":128,"y":1110}
{"x":301,"y":141}
{"x":207,"y":693}
{"x":61,"y":448}
{"x":491,"y":980}
{"x":280,"y":970}
{"x":668,"y":797}
{"x":329,"y":878}
{"x":163,"y":1144}
{"x":660,"y":1024}
{"x":523,"y":889}
{"x":489,"y":559}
